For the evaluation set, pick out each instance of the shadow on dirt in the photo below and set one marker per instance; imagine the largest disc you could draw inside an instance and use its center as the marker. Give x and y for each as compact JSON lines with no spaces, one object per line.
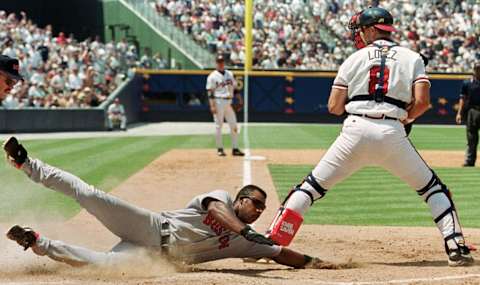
{"x":423,"y":263}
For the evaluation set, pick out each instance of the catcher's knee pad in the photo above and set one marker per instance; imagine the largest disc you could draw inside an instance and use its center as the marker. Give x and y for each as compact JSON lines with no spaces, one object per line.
{"x":311,"y":187}
{"x":290,"y":215}
{"x":304,"y":194}
{"x":439,"y":199}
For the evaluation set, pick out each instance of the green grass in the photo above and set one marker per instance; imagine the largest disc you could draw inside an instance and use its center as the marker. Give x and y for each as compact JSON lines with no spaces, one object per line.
{"x":312,"y":136}
{"x":103,"y":162}
{"x":372,"y":196}
{"x":107,"y":162}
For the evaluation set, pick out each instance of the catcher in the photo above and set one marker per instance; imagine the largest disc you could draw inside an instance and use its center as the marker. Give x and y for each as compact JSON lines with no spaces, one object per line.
{"x":221,"y":89}
{"x":212,"y":226}
{"x":375,"y":86}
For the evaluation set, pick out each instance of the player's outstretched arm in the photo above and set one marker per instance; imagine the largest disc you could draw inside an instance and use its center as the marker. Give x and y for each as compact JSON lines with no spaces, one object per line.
{"x":298,"y":260}
{"x":292,"y":258}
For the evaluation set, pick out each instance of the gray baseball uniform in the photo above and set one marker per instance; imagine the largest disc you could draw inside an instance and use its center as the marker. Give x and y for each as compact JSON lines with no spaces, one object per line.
{"x":190,"y":234}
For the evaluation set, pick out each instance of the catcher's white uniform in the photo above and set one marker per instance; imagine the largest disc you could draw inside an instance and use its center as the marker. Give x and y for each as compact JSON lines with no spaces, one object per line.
{"x":222,"y":86}
{"x":373,"y":135}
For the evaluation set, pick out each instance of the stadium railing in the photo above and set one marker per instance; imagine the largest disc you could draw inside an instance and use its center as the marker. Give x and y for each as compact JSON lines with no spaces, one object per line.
{"x":167,"y":29}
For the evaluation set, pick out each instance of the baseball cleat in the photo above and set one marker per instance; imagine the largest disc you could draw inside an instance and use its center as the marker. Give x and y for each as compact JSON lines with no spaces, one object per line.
{"x":15,"y":151}
{"x":25,"y":237}
{"x":220,"y":152}
{"x":460,"y":257}
{"x":237,"y":152}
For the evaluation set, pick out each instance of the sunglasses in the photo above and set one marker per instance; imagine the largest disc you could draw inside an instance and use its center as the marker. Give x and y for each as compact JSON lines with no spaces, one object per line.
{"x":256,"y":202}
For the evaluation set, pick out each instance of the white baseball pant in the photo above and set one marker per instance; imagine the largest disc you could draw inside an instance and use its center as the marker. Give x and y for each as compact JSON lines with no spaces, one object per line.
{"x":377,"y":142}
{"x":225,"y":112}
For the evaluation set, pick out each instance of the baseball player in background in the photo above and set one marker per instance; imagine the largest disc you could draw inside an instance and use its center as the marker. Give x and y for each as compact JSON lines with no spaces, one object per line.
{"x":221,"y":89}
{"x":212,"y":226}
{"x":382,"y":86}
{"x":9,"y":75}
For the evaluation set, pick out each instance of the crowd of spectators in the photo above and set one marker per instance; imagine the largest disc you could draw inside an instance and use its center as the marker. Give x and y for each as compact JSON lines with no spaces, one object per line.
{"x":61,"y":72}
{"x":286,"y":32}
{"x":447,"y":32}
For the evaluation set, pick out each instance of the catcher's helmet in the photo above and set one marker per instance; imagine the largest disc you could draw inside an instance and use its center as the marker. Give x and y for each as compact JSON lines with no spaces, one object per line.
{"x":374,"y":16}
{"x":378,"y":17}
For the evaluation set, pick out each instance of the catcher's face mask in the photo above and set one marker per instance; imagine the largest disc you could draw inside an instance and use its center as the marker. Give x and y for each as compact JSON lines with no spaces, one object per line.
{"x":353,"y":26}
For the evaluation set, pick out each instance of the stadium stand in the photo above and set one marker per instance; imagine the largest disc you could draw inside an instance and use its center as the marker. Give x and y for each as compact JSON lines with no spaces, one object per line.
{"x":288,"y":32}
{"x":62,"y":72}
{"x":447,"y":32}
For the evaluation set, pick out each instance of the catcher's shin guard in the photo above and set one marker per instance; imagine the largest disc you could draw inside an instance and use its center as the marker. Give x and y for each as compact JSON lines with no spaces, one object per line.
{"x":444,"y":213}
{"x":289,"y":217}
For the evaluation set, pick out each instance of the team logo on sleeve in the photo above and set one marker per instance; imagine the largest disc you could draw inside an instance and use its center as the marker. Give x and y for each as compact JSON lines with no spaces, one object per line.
{"x":219,"y":230}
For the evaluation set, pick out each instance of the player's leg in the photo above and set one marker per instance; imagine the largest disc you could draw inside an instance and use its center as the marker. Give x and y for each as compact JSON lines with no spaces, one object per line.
{"x":219,"y":118}
{"x":110,"y":122}
{"x":124,"y":220}
{"x":80,"y":256}
{"x":473,"y":126}
{"x":71,"y":254}
{"x":123,"y":122}
{"x":344,"y":157}
{"x":231,"y":119}
{"x":405,"y":162}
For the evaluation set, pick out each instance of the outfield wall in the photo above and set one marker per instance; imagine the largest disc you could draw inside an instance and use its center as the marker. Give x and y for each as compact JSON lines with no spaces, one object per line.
{"x":153,"y":96}
{"x":274,"y":96}
{"x":68,"y":120}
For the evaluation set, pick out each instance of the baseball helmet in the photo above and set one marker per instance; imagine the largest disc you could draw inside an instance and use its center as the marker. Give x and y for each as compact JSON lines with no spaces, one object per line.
{"x":377,"y":17}
{"x":373,"y":16}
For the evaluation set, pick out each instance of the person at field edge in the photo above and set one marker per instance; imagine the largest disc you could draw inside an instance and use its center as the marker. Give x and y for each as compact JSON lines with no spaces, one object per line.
{"x":212,"y":226}
{"x":116,"y":115}
{"x":221,"y":89}
{"x":381,"y":87}
{"x":469,"y":111}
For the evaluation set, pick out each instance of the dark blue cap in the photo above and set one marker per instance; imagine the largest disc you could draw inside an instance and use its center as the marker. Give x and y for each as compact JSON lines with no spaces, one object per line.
{"x":10,"y":66}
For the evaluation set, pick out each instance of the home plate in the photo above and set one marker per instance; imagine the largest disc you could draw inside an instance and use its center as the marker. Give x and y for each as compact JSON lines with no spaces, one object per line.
{"x":255,"y":157}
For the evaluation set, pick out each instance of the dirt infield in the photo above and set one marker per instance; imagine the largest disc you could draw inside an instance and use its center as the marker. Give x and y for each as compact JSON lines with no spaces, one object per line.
{"x":380,"y":255}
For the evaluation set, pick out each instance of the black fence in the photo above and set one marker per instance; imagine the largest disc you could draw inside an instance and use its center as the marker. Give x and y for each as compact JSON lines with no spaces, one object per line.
{"x":48,"y":120}
{"x":68,"y":120}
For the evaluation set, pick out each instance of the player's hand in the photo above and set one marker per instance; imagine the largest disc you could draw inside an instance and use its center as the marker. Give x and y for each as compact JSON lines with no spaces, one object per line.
{"x":458,"y":119}
{"x":213,"y":110}
{"x":251,"y":235}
